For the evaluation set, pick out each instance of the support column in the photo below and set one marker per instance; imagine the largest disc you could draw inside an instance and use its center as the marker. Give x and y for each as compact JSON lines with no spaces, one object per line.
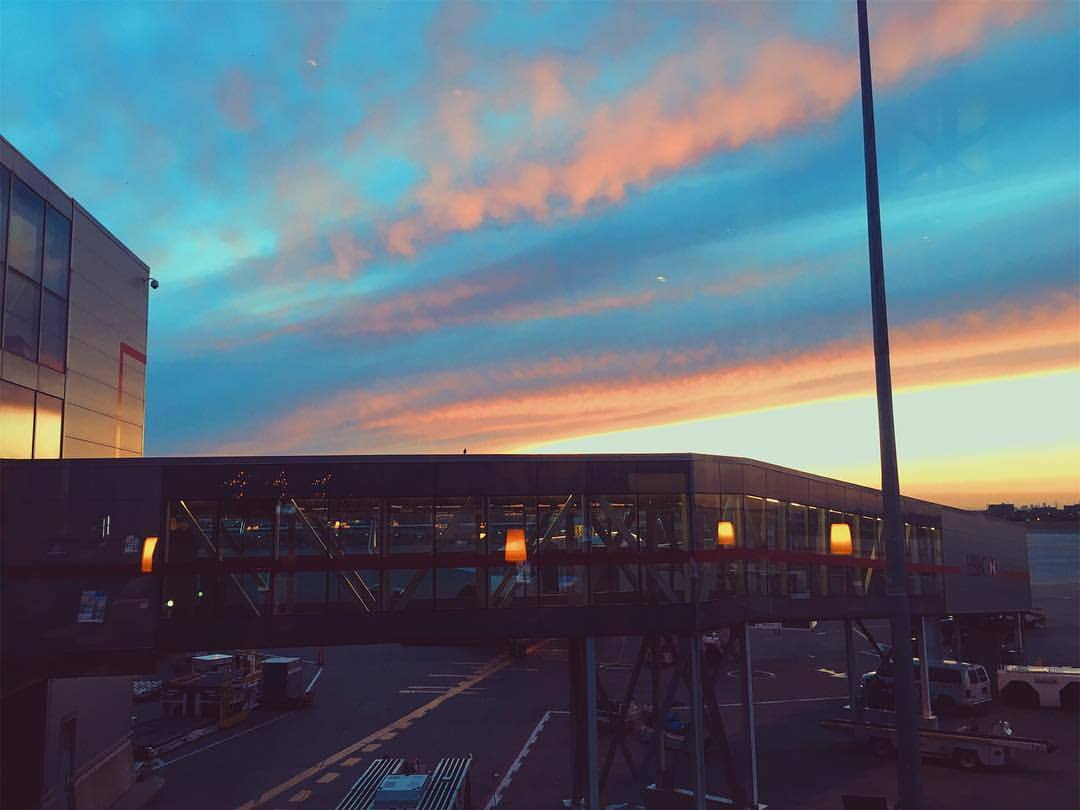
{"x":577,"y":788}
{"x":1019,"y":638}
{"x":697,"y":721}
{"x":907,"y":731}
{"x":592,"y":747}
{"x":749,"y":722}
{"x":924,"y":671}
{"x":658,"y":720}
{"x":855,"y":705}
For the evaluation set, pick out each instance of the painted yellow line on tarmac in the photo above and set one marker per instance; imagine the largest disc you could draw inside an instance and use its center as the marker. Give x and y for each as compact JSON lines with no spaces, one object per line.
{"x":493,"y":666}
{"x":301,"y":796}
{"x":328,"y":777}
{"x":352,"y":762}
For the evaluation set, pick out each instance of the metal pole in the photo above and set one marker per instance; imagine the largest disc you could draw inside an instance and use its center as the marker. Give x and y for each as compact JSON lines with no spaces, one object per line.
{"x":592,"y":745}
{"x":577,"y":789}
{"x":697,"y":721}
{"x":658,"y":720}
{"x":852,"y":674}
{"x":907,"y":735}
{"x":924,"y":671}
{"x":749,"y":720}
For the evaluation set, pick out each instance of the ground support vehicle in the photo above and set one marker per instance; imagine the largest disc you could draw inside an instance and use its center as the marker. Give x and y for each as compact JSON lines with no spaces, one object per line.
{"x":394,"y":782}
{"x":968,"y":745}
{"x":1034,"y":686}
{"x":954,"y":685}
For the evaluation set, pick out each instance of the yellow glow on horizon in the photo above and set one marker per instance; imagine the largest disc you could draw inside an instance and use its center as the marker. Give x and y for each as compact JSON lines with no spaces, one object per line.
{"x":1012,"y":438}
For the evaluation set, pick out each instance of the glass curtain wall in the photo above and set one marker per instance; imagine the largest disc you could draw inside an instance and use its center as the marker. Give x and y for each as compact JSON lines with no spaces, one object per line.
{"x":512,"y":552}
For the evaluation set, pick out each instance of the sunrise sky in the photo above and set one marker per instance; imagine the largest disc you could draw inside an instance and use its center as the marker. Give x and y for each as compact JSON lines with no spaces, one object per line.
{"x":533,"y":226}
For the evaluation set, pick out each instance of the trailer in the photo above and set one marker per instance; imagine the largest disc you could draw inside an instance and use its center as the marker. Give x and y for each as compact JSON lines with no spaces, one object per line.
{"x":966,"y":745}
{"x":1034,"y":686}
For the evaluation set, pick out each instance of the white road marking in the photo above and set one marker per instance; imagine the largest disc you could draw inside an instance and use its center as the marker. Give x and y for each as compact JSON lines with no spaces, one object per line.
{"x":515,"y":766}
{"x":685,"y":708}
{"x":832,"y":673}
{"x":786,"y":700}
{"x":758,"y":673}
{"x":168,"y":762}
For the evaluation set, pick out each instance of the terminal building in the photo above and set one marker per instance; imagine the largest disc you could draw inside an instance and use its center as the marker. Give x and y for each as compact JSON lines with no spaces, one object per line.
{"x":73,"y":325}
{"x":73,"y":315}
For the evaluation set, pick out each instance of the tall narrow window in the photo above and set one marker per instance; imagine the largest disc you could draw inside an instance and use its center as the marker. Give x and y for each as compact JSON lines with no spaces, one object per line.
{"x":57,"y":251}
{"x":53,"y":350}
{"x":4,"y":182}
{"x":25,"y":230}
{"x":21,"y":300}
{"x":16,"y":421}
{"x":47,"y":427}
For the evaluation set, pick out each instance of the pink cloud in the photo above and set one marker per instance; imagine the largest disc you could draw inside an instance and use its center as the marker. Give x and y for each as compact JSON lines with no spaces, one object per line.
{"x":690,"y":109}
{"x":549,"y":95}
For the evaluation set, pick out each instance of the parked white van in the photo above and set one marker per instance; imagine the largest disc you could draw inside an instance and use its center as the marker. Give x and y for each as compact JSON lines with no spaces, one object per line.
{"x":953,"y":685}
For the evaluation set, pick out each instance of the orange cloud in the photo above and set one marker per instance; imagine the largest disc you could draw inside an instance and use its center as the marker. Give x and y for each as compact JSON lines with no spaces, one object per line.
{"x":549,"y":95}
{"x":662,"y":126}
{"x":566,"y":397}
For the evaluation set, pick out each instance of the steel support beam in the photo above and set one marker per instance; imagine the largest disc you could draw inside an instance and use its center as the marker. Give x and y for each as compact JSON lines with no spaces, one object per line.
{"x":592,"y":752}
{"x":852,"y":671}
{"x":749,"y":721}
{"x":924,"y":671}
{"x":658,"y":720}
{"x":577,"y":789}
{"x":697,"y":721}
{"x":907,"y":766}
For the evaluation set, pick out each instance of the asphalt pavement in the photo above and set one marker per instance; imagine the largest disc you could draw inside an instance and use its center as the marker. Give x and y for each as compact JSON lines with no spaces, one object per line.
{"x":511,"y":715}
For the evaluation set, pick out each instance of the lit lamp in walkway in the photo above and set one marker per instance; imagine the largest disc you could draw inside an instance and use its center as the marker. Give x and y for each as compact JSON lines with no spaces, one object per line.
{"x":515,"y":546}
{"x":840,"y":539}
{"x":725,"y":533}
{"x":146,"y":565}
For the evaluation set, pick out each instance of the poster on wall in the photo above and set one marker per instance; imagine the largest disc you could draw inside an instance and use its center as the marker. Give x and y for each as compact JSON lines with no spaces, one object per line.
{"x":92,"y":607}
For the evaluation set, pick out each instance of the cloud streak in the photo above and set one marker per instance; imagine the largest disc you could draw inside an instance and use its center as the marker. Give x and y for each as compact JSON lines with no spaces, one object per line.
{"x":502,"y":408}
{"x":788,"y":83}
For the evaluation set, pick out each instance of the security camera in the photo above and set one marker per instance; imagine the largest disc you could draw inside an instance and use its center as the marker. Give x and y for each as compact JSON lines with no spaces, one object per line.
{"x":153,"y":283}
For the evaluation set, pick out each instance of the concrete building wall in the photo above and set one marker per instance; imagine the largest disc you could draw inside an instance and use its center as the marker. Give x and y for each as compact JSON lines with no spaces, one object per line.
{"x":87,"y":753}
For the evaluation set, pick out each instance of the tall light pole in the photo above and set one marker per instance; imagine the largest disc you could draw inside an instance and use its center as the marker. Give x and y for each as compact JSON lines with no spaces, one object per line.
{"x":907,"y":731}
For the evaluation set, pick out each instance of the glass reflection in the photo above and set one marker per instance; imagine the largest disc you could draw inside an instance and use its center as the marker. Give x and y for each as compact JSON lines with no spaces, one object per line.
{"x":57,"y":242}
{"x":47,"y":427}
{"x":25,"y":230}
{"x":21,"y":298}
{"x":16,"y":421}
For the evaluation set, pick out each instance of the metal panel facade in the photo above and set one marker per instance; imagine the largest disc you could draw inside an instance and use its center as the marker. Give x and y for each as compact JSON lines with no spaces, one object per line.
{"x":988,"y":564}
{"x":87,"y":349}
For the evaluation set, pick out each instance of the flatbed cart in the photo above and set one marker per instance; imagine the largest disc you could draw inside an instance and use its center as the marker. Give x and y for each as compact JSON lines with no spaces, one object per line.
{"x":966,"y":745}
{"x":389,"y":782}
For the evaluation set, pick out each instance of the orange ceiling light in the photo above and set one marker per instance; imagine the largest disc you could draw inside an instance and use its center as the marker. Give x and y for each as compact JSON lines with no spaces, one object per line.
{"x":146,"y":565}
{"x":840,"y":538}
{"x":725,"y":533}
{"x":515,"y":546}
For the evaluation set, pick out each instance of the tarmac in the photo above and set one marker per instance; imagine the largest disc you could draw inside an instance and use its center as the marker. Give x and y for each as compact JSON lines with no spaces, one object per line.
{"x":512,"y":715}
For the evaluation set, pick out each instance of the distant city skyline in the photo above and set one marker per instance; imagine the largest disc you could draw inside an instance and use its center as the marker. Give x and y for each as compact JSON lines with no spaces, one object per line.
{"x":584,"y":227}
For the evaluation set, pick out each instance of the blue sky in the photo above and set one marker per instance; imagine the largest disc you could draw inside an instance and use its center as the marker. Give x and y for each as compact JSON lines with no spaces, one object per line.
{"x":420,"y":227}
